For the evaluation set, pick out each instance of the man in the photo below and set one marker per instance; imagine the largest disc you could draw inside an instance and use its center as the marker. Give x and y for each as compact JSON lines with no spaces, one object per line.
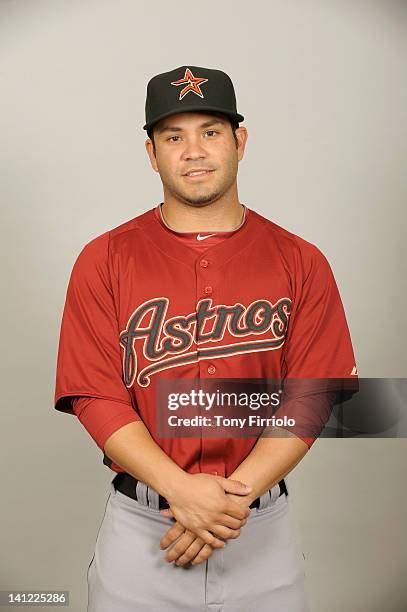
{"x":198,"y":288}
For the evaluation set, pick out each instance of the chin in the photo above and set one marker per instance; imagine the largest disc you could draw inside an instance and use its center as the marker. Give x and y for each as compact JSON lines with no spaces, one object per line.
{"x":202,"y":200}
{"x":195,"y":198}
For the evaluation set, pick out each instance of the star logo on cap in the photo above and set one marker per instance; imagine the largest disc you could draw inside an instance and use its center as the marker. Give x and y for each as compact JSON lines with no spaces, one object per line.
{"x":192,"y":84}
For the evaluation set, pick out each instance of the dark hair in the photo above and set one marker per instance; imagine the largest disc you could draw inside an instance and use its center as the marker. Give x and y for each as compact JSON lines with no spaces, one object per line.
{"x":233,"y":124}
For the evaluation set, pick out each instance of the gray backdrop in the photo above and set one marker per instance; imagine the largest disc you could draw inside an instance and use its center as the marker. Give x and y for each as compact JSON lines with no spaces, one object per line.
{"x":322,"y":86}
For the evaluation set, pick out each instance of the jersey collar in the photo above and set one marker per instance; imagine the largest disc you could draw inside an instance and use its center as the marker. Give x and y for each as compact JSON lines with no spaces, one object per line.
{"x":219,"y":254}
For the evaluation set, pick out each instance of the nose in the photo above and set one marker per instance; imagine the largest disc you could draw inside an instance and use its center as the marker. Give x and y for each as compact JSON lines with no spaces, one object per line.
{"x":193,"y":150}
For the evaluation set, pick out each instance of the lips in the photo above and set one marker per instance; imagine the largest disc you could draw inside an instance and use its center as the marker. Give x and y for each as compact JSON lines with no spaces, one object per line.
{"x":198,"y":172}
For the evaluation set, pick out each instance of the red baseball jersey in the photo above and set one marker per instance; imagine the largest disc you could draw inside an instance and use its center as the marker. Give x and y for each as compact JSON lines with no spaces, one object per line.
{"x":146,"y":303}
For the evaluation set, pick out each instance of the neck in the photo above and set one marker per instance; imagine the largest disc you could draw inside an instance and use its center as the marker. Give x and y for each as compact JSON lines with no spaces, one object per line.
{"x":222,"y":215}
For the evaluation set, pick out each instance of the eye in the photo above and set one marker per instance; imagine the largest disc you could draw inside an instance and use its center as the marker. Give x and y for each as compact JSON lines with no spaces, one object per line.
{"x":171,"y":139}
{"x":211,"y":132}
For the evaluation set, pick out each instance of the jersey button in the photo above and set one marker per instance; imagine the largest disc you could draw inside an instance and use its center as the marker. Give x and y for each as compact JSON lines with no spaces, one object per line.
{"x":208,"y":290}
{"x":211,"y":369}
{"x":204,"y":263}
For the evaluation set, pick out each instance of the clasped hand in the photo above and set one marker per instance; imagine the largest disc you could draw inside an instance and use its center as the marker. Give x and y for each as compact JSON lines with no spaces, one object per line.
{"x":208,"y":510}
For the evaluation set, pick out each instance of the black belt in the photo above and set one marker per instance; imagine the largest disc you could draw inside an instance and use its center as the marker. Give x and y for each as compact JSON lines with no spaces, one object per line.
{"x":126,"y":484}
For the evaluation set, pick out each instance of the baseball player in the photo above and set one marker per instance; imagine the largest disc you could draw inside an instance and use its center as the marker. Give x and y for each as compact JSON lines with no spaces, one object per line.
{"x":200,"y":287}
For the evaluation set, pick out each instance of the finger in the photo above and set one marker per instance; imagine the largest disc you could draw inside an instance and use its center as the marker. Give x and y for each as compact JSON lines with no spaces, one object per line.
{"x":228,"y":521}
{"x":236,"y":510}
{"x":224,"y":532}
{"x":203,"y":555}
{"x":191,"y":552}
{"x":210,"y":539}
{"x":180,"y":547}
{"x":171,"y":535}
{"x":234,"y":486}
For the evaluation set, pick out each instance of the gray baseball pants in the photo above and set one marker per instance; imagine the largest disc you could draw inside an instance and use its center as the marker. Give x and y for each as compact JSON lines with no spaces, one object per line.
{"x":262,"y":569}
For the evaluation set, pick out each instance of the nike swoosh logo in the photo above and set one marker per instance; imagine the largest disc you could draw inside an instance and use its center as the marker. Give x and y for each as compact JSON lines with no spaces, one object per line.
{"x":199,"y":237}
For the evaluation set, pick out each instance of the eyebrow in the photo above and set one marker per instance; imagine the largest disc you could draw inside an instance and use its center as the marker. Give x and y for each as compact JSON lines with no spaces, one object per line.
{"x":209,"y":123}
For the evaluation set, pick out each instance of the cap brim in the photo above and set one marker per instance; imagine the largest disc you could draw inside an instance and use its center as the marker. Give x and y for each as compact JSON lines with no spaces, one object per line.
{"x":200,"y":109}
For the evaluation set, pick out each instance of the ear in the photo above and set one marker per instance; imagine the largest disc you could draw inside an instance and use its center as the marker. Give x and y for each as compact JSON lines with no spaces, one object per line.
{"x":241,"y":135}
{"x":150,"y":153}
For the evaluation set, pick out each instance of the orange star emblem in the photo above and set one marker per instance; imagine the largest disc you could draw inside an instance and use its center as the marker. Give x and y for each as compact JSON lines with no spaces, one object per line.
{"x":191,"y":83}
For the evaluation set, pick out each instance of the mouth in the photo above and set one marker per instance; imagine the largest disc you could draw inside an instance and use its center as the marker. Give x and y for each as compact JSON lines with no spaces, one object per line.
{"x":197,"y":174}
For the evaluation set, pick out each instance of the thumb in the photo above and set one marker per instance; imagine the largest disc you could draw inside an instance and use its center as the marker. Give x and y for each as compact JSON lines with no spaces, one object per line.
{"x":235,"y":486}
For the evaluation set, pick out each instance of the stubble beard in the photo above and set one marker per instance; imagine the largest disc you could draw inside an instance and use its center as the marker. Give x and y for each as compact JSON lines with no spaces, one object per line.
{"x":200,"y":199}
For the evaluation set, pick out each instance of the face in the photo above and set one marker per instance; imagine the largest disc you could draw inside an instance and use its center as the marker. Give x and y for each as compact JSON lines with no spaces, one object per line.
{"x":196,"y":156}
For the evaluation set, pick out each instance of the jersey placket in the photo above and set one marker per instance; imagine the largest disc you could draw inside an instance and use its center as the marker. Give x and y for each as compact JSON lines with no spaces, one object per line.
{"x":206,"y":289}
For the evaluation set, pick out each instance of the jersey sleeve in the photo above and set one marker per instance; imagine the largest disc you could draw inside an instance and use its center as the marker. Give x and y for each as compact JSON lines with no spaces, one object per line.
{"x":101,"y":417}
{"x":89,"y":361}
{"x":319,"y":361}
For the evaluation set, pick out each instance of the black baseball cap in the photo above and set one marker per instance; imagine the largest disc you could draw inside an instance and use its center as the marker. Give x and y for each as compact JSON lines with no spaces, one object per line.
{"x":187,"y":89}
